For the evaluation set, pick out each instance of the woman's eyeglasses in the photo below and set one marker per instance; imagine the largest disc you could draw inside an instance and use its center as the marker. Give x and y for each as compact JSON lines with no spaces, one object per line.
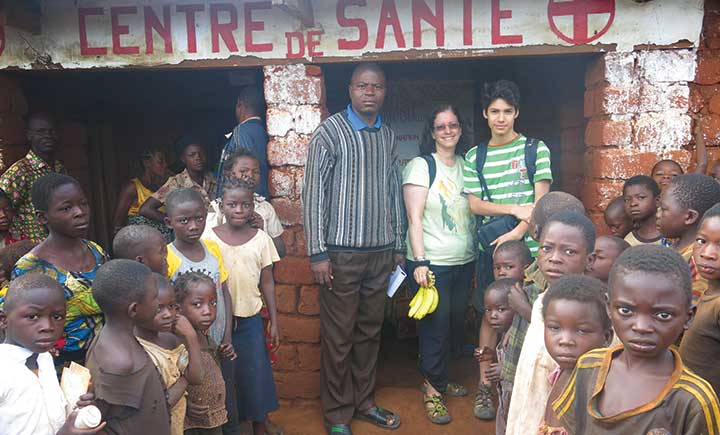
{"x":451,"y":126}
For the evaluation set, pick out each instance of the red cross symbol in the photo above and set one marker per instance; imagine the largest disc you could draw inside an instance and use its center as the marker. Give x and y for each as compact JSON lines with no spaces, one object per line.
{"x":580,"y":10}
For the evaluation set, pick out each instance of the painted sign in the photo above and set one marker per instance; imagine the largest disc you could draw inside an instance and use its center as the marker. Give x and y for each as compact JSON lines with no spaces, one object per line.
{"x":117,"y":33}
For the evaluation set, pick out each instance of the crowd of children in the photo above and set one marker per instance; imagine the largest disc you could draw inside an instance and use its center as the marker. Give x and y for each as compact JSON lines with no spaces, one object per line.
{"x":597,"y":336}
{"x":157,"y":326}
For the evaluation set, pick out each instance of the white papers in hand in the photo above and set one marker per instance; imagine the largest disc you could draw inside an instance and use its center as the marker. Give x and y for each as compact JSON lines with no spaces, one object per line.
{"x":396,"y":279}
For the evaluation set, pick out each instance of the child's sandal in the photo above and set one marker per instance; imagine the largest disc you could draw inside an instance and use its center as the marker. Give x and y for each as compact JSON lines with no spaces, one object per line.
{"x":483,"y":407}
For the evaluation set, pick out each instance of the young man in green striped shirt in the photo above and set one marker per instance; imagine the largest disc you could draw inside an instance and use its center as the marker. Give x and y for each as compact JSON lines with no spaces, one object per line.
{"x":511,"y":193}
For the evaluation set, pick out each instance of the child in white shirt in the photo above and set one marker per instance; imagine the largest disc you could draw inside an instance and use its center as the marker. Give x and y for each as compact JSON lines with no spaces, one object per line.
{"x":31,"y":401}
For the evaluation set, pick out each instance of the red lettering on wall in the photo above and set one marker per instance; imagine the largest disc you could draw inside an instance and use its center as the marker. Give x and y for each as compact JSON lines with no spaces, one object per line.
{"x":467,"y":22}
{"x":421,"y":11}
{"x":190,"y":11}
{"x":389,"y":17}
{"x":297,"y":36}
{"x":497,"y":15}
{"x":313,"y":41}
{"x":224,"y":30}
{"x":85,"y":49}
{"x":359,"y":23}
{"x":120,"y":29}
{"x":152,"y":22}
{"x":252,"y":26}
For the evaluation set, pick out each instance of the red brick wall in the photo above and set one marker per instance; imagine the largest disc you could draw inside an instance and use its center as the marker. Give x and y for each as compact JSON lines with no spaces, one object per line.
{"x":705,"y":91}
{"x":296,"y":105}
{"x":643,"y":106}
{"x":637,"y":109}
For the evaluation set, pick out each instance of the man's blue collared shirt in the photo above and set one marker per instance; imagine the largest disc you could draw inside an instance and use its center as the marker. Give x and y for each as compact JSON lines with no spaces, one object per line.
{"x":358,"y":124}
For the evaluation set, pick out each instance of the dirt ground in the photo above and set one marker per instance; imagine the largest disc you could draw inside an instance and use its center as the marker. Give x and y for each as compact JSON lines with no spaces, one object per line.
{"x":397,"y":390}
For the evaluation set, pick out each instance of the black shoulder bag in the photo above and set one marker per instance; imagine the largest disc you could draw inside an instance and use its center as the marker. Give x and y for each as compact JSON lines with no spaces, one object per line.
{"x":489,"y":230}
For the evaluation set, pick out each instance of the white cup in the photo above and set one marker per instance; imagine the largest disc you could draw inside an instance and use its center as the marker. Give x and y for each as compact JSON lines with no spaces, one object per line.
{"x":88,"y":417}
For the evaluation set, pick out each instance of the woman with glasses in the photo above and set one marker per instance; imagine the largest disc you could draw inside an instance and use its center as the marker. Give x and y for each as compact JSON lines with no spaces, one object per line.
{"x":440,"y":239}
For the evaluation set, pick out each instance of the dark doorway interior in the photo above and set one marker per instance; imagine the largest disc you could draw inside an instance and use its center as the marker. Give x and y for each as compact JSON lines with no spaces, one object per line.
{"x":125,"y":111}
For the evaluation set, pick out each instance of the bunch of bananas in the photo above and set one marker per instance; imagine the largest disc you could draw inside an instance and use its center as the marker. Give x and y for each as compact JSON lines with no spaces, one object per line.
{"x":425,"y":300}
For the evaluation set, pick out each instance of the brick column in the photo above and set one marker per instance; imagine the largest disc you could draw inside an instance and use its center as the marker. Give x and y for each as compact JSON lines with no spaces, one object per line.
{"x":13,"y":107}
{"x":705,"y":91}
{"x":637,"y":109}
{"x":296,"y":105}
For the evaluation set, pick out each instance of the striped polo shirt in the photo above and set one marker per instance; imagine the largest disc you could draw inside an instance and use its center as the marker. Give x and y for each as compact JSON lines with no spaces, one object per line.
{"x":506,"y":175}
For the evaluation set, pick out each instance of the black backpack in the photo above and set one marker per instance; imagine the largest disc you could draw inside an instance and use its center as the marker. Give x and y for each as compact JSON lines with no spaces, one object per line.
{"x":432,"y":168}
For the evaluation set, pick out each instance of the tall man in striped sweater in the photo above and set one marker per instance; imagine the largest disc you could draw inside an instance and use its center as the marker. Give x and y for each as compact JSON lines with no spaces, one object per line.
{"x":355,"y":229}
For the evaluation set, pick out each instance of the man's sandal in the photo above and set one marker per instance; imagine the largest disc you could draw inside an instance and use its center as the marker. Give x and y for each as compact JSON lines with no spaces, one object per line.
{"x":380,"y":418}
{"x":338,"y":429}
{"x":436,"y":409}
{"x":456,"y":390}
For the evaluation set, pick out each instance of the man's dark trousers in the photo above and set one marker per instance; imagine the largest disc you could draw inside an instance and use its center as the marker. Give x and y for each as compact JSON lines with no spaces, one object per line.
{"x":351,"y":317}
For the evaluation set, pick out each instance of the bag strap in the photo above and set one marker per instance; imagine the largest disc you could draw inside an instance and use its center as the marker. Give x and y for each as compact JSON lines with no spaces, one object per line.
{"x":432,"y":168}
{"x":531,"y":146}
{"x":480,"y":157}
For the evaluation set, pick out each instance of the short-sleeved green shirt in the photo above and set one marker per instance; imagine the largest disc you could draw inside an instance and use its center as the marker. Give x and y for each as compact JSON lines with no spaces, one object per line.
{"x":506,"y":175}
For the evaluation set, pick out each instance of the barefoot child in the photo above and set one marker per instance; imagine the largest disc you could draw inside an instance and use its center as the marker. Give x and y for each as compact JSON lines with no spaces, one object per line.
{"x":546,"y":206}
{"x":641,"y":386}
{"x":197,"y":296}
{"x":607,"y":250}
{"x":249,"y":254}
{"x":186,"y":215}
{"x":642,"y":196}
{"x":31,"y":401}
{"x":700,"y":346}
{"x":510,"y":260}
{"x":499,"y":316}
{"x":243,"y":165}
{"x":130,"y":391}
{"x":617,"y":220}
{"x":682,"y":205}
{"x":144,"y":244}
{"x":66,"y":256}
{"x":576,"y":321}
{"x":566,"y":247}
{"x":172,"y":344}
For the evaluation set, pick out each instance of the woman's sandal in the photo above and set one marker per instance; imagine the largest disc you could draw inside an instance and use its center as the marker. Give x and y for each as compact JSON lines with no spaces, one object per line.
{"x":338,"y":429}
{"x":380,"y":418}
{"x":456,"y":390}
{"x":436,"y":409}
